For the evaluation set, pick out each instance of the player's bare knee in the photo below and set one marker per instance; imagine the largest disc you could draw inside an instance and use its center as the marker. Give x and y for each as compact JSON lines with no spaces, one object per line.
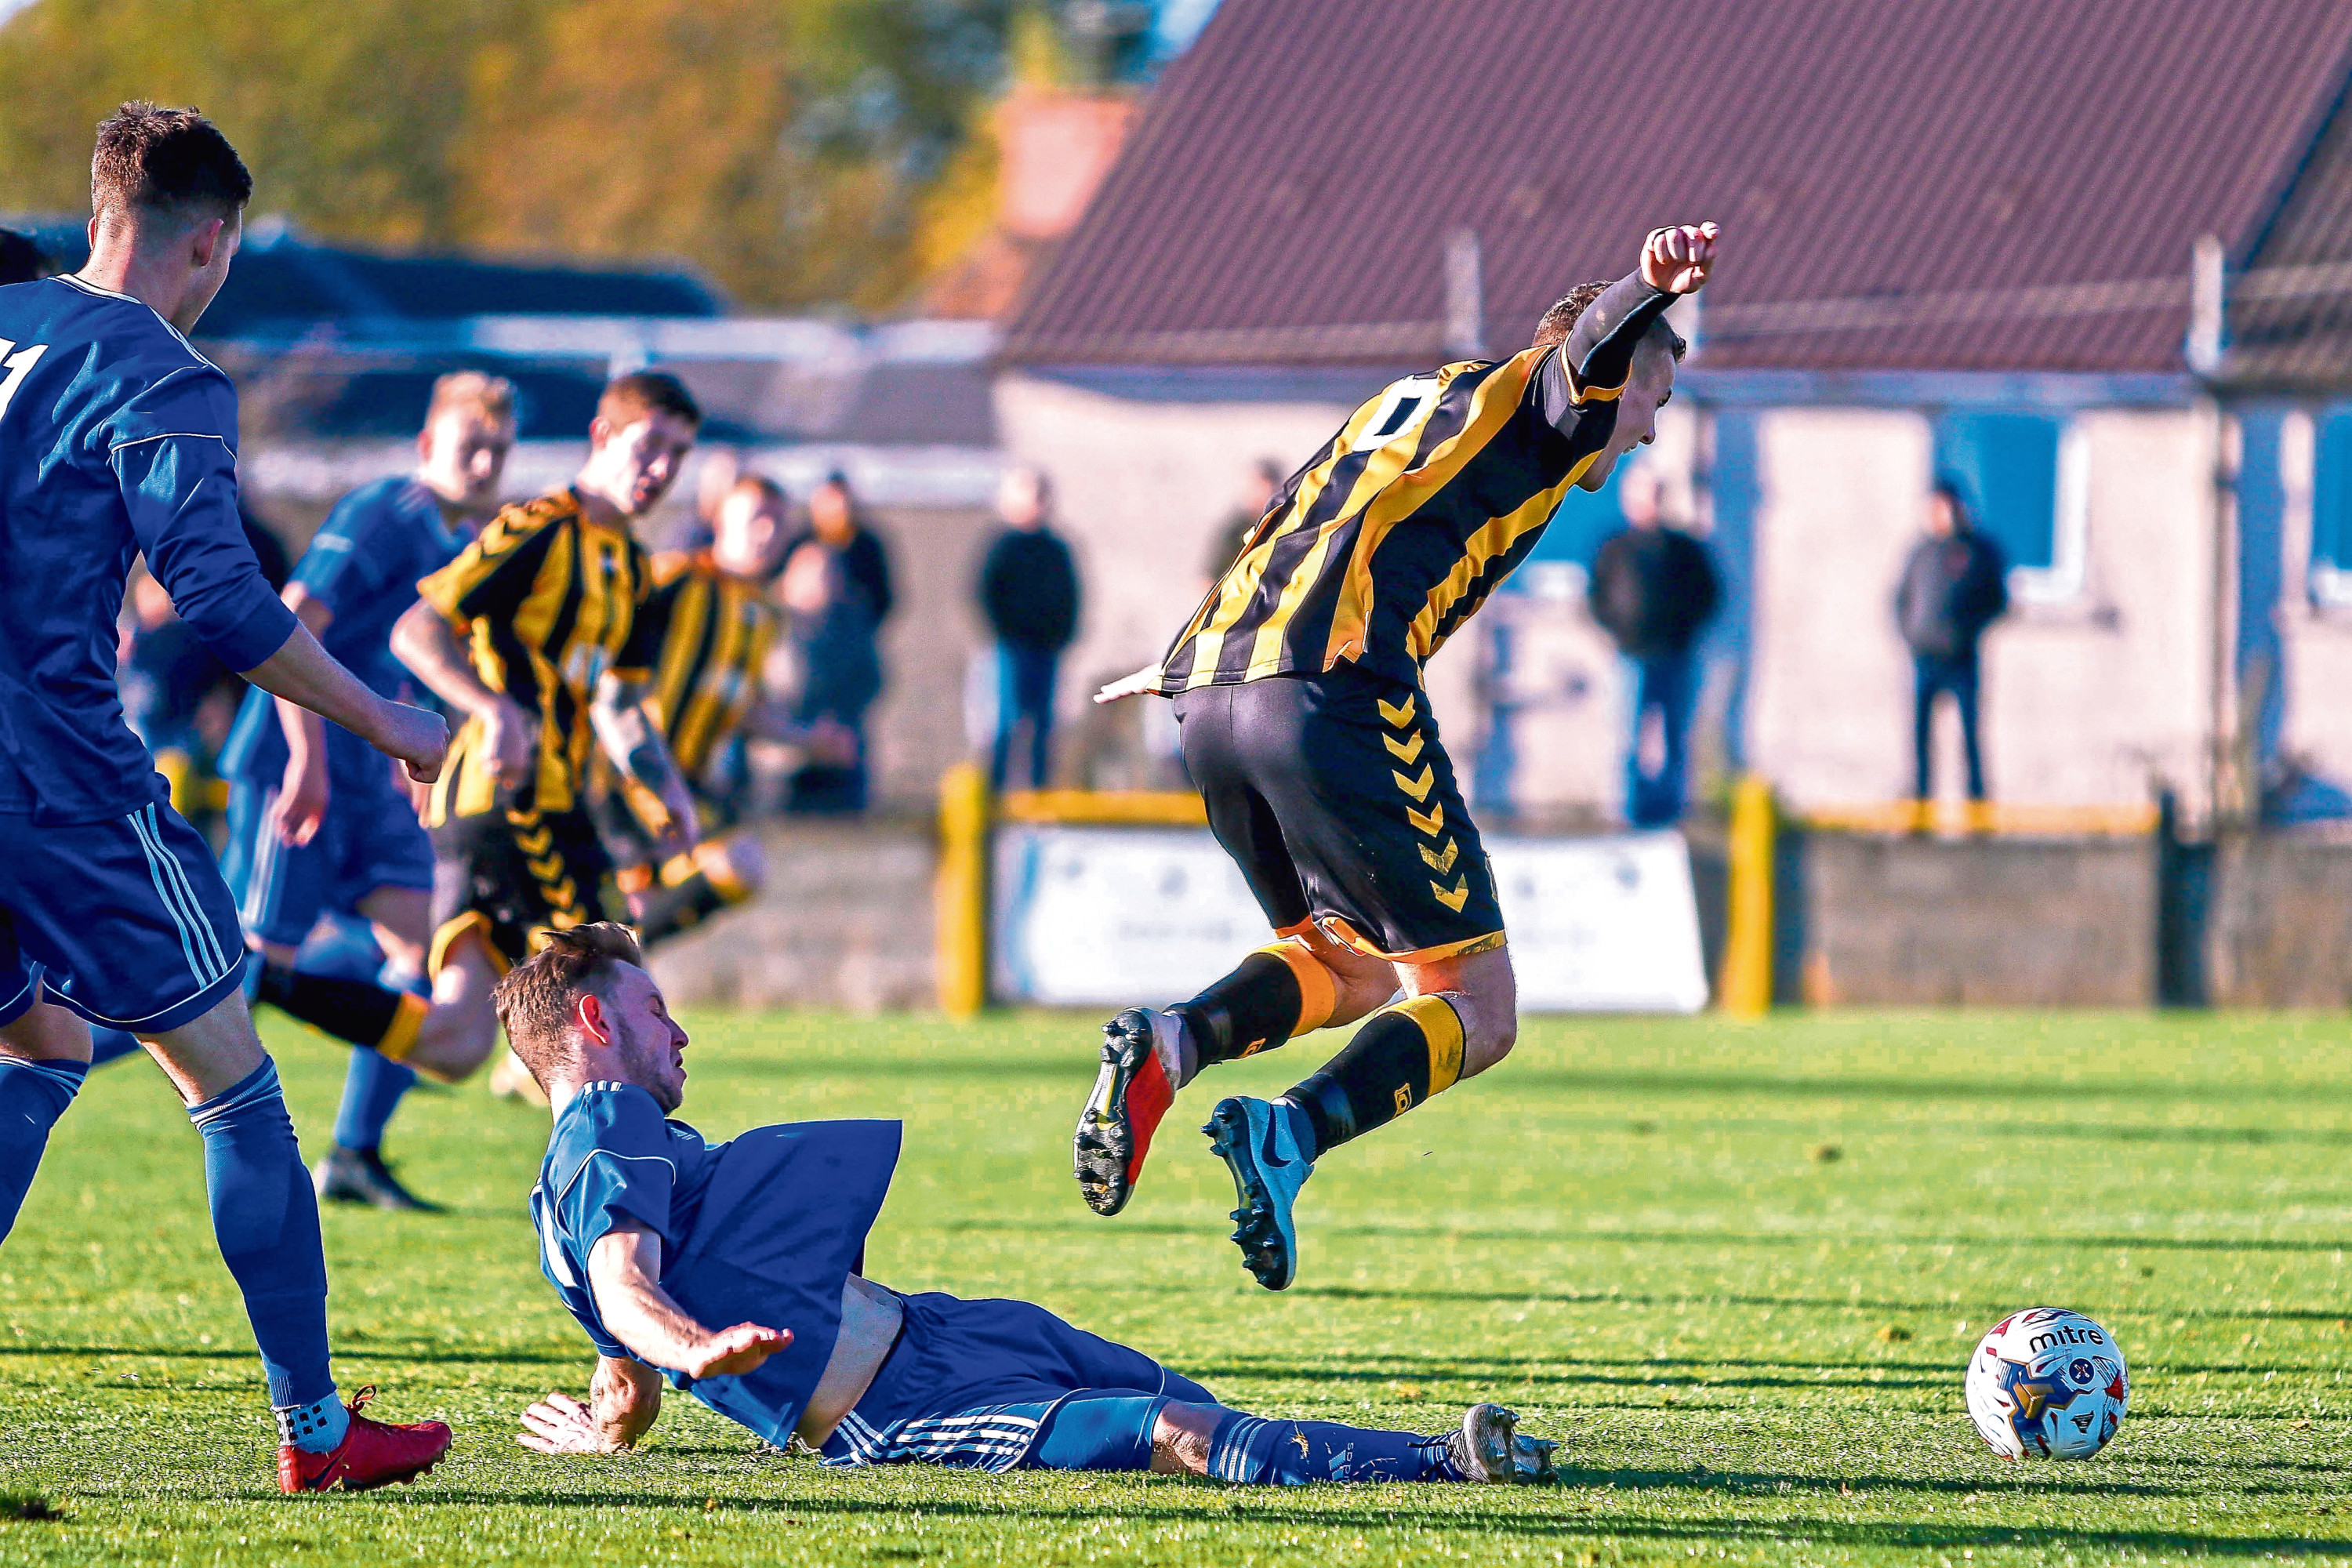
{"x":1180,"y":1438}
{"x":747,"y":861}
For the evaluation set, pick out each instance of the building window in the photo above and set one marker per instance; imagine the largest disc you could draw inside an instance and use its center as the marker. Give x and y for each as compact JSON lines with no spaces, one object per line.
{"x":2027,"y":477}
{"x":2331,"y":507}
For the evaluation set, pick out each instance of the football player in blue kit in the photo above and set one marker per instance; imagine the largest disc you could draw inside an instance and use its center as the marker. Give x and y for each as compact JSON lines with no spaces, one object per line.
{"x":117,"y":437}
{"x":738,"y":1272}
{"x":318,"y":823}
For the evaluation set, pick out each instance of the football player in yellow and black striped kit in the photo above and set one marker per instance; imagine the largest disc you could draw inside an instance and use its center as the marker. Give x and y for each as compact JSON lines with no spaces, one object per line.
{"x":1298,"y":696}
{"x":707,"y":689}
{"x":544,"y":632}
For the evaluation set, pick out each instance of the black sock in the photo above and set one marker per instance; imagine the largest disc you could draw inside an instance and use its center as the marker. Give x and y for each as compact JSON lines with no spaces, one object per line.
{"x":1400,"y":1057}
{"x":358,"y":1011}
{"x":671,"y":906}
{"x":1276,"y":993}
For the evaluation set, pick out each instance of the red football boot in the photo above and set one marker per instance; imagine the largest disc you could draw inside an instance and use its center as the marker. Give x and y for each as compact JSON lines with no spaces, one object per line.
{"x":372,"y":1454}
{"x":1131,"y":1093}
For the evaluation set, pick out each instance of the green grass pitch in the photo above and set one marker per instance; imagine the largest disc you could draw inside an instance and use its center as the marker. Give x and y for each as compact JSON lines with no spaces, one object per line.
{"x":1735,"y":1271}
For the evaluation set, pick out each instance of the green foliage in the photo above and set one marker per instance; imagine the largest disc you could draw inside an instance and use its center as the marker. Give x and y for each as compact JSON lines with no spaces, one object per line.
{"x":1625,"y":1232}
{"x":784,"y":145}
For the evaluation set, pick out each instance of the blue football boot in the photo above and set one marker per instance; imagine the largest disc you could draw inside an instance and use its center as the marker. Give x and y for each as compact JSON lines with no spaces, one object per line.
{"x":1259,"y":1143}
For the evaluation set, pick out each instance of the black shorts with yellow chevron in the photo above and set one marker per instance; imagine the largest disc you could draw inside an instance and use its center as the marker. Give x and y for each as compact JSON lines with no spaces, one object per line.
{"x":1334,"y":796}
{"x":508,"y":874}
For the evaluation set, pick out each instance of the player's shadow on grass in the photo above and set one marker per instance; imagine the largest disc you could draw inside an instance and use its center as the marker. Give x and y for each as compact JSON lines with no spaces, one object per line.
{"x":1824,"y":1303}
{"x":1645,"y":1085}
{"x":2038,"y":1242}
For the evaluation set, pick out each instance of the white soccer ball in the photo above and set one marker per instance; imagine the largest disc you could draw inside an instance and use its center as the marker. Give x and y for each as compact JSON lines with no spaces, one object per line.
{"x":2047,"y":1384}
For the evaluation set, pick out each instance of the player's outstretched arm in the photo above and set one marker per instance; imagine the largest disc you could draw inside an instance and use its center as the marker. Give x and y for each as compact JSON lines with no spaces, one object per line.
{"x":1136,"y":685}
{"x":1599,"y":353}
{"x":627,"y":730}
{"x":624,"y":1277}
{"x":624,"y":1401}
{"x":308,"y":676}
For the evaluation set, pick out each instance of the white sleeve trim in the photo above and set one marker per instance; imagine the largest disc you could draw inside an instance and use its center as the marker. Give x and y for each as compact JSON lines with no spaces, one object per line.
{"x":169,"y":436}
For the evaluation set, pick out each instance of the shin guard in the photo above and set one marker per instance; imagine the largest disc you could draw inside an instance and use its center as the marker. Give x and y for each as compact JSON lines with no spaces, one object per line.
{"x":1275,"y":994}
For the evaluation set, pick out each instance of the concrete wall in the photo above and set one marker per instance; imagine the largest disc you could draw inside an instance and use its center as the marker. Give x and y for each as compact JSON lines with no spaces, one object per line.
{"x":1912,"y":923}
{"x":845,"y":922}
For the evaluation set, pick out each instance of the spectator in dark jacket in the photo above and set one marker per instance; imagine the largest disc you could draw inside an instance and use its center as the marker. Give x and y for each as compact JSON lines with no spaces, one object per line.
{"x":1029,"y":590}
{"x":1264,"y":482}
{"x":1954,"y":586}
{"x":1653,"y":589}
{"x":835,"y":593}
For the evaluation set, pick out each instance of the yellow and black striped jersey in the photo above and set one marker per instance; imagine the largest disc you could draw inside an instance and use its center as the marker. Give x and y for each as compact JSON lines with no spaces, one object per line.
{"x":1426,"y":499}
{"x":548,"y":602}
{"x":718,"y":629}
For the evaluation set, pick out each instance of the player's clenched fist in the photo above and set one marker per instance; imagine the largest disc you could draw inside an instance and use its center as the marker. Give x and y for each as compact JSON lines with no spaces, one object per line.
{"x":417,"y":739}
{"x":1676,"y":257}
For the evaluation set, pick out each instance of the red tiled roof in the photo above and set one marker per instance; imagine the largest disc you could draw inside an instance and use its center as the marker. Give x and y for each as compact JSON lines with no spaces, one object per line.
{"x":1287,"y":196}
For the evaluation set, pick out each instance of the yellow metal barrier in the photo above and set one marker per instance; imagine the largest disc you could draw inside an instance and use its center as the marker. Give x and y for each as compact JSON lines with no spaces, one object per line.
{"x":1997,"y":818}
{"x":1745,"y":985}
{"x":1145,"y":808}
{"x":963,"y":890}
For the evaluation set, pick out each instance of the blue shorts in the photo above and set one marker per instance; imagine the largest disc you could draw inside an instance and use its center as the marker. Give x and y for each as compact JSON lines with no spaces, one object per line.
{"x":371,"y":840}
{"x":973,"y":1384}
{"x":126,"y":922}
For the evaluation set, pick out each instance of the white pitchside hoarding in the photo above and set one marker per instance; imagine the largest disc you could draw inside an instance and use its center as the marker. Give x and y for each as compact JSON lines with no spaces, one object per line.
{"x":1112,"y":916}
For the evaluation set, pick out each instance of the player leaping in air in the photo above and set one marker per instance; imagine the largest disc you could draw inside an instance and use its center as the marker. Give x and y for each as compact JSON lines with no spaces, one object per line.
{"x":1298,"y":699}
{"x":116,"y":437}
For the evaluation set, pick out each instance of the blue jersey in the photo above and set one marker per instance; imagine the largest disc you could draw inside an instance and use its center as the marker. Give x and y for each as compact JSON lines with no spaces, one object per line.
{"x":611,"y":1157}
{"x":363,"y":567}
{"x":765,"y":1228}
{"x":116,"y":437}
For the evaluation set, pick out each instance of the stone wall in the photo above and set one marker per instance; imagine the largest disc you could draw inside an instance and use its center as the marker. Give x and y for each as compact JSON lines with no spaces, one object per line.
{"x":1880,"y":920}
{"x":845,"y":922}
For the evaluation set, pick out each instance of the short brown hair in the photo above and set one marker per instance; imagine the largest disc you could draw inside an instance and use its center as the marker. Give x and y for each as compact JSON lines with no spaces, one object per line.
{"x":492,"y":396}
{"x":535,"y":998}
{"x":167,"y":162}
{"x":759,"y":485}
{"x":1561,"y":320}
{"x":631,"y":397}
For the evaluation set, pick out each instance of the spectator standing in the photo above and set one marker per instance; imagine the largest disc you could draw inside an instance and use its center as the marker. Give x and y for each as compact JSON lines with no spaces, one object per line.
{"x":1029,"y":590}
{"x":835,"y":594}
{"x":1954,"y":586}
{"x":1654,"y":587}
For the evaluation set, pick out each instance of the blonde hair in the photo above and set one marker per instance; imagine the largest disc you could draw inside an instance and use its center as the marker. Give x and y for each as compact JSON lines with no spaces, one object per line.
{"x":491,"y":396}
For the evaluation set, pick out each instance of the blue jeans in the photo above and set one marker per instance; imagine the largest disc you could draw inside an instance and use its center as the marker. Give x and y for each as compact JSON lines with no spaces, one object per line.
{"x":1931,"y":675}
{"x":1667,"y":684}
{"x":1024,"y":690}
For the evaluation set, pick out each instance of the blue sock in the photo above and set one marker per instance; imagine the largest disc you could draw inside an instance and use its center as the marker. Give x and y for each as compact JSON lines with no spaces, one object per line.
{"x":33,"y":1095}
{"x":1253,"y":1450}
{"x":112,"y":1045}
{"x":265,"y":1218}
{"x":373,"y":1085}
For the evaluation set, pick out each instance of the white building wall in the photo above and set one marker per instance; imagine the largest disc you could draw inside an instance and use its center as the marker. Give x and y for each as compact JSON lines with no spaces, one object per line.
{"x":2087,"y":702}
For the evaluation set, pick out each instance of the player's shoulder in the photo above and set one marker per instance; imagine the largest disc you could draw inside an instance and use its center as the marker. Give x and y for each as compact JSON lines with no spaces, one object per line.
{"x":376,"y":504}
{"x":519,"y":521}
{"x":117,"y":329}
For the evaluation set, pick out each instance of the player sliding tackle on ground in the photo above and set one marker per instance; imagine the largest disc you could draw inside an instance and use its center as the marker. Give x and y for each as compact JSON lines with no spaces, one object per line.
{"x":654,"y":1239}
{"x":116,"y":437}
{"x":1298,"y":699}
